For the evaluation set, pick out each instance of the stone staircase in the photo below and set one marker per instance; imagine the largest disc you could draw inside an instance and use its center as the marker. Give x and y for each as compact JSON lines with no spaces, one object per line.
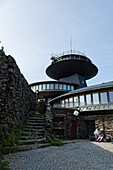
{"x":34,"y":132}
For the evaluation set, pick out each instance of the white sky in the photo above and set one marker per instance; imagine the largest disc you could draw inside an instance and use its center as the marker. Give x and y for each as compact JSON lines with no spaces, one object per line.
{"x":30,"y":30}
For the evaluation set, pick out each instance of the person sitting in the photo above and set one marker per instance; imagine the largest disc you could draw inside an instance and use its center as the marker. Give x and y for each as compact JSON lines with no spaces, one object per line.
{"x":101,"y":135}
{"x":96,"y":133}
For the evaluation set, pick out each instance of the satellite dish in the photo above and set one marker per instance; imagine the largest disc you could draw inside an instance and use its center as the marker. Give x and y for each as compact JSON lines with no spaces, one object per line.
{"x":76,"y":113}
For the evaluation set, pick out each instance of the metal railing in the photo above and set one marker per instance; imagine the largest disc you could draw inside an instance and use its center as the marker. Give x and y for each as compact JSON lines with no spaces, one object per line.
{"x":74,"y":55}
{"x":57,"y":55}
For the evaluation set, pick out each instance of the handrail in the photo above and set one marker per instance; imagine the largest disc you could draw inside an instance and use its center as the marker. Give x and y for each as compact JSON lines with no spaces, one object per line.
{"x":57,"y":55}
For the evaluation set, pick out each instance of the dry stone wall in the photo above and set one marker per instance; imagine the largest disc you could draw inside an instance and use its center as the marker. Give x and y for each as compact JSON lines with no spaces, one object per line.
{"x":16,"y":97}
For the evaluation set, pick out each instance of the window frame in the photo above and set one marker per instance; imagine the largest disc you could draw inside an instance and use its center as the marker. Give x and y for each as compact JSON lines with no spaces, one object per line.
{"x":107,"y":97}
{"x":86,"y":98}
{"x":98,"y":98}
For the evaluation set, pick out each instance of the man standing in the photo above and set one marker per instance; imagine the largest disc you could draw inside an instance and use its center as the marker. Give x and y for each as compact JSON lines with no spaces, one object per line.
{"x":2,"y":49}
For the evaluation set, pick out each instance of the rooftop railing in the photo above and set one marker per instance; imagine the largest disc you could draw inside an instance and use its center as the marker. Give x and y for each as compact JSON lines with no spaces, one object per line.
{"x":57,"y":55}
{"x":74,"y":55}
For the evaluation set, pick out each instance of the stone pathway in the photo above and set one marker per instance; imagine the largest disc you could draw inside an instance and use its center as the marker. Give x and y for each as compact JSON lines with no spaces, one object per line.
{"x":83,"y":155}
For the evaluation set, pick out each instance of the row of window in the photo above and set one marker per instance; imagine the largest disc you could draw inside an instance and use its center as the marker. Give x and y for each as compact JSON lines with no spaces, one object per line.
{"x":52,"y":87}
{"x":72,"y":57}
{"x":88,"y":99}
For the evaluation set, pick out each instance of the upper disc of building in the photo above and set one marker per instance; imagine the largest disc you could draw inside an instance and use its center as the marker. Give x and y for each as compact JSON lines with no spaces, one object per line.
{"x":70,"y":64}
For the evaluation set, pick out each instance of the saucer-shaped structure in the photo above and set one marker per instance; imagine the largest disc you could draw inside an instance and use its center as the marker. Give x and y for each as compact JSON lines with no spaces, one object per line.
{"x":71,"y":64}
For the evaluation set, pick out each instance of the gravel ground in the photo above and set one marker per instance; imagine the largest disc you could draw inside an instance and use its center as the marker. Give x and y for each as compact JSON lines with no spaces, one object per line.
{"x":73,"y":156}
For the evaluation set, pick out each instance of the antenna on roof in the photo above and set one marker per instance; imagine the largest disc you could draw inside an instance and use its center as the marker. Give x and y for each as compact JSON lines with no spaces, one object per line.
{"x":70,"y":45}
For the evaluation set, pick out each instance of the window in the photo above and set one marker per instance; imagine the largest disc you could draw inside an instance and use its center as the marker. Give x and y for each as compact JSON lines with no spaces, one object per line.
{"x":67,"y":58}
{"x":72,"y":57}
{"x":71,"y":102}
{"x":62,"y":103}
{"x":103,"y":97}
{"x":40,"y":87}
{"x":56,"y":86}
{"x":76,"y":101}
{"x":95,"y":98}
{"x":88,"y":99}
{"x":64,"y":86}
{"x":66,"y":102}
{"x":48,"y":87}
{"x":72,"y":88}
{"x":44,"y":86}
{"x":33,"y":88}
{"x":52,"y":86}
{"x":36,"y":88}
{"x":111,"y":96}
{"x":82,"y":101}
{"x":68,"y":87}
{"x":60,"y":86}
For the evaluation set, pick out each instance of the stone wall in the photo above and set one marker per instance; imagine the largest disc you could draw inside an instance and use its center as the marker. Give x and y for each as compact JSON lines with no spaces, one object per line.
{"x":85,"y":124}
{"x":61,"y":122}
{"x":16,"y":97}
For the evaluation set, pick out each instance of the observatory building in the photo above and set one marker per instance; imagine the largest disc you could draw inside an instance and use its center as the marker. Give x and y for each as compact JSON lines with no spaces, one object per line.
{"x":76,"y":109}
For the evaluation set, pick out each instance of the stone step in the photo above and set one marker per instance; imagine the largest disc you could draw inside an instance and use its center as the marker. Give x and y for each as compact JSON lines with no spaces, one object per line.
{"x":34,"y":127}
{"x":35,"y":124}
{"x":37,"y":121}
{"x":34,"y":130}
{"x":30,"y":141}
{"x":33,"y":146}
{"x":31,"y":137}
{"x":37,"y":115}
{"x":32,"y":133}
{"x":35,"y":118}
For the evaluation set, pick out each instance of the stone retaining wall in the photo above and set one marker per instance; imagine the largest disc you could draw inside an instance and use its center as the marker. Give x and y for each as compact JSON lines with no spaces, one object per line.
{"x":16,"y":97}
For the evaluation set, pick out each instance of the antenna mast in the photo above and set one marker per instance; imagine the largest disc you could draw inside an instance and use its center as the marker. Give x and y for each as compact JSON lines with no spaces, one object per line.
{"x":70,"y":45}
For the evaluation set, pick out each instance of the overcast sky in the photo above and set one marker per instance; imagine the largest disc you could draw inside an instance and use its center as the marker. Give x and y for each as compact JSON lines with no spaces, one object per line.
{"x":30,"y":30}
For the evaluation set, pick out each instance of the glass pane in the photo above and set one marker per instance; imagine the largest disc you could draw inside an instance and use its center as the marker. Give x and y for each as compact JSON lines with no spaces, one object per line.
{"x":64,"y":86}
{"x":36,"y":88}
{"x":73,"y":57}
{"x":60,"y":86}
{"x":66,"y":103}
{"x":103,"y":97}
{"x":44,"y":86}
{"x":76,"y":101}
{"x":82,"y":101}
{"x":62,"y":103}
{"x":111,"y":96}
{"x":56,"y":86}
{"x":68,"y":87}
{"x":48,"y":87}
{"x":33,"y":88}
{"x":52,"y":86}
{"x":71,"y":102}
{"x":40,"y":87}
{"x":88,"y":98}
{"x":67,"y":58}
{"x":95,"y":98}
{"x":72,"y":88}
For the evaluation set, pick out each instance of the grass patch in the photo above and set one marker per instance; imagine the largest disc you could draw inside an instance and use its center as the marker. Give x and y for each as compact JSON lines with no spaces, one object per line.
{"x":8,"y":142}
{"x":4,"y":165}
{"x":11,"y":139}
{"x":52,"y":141}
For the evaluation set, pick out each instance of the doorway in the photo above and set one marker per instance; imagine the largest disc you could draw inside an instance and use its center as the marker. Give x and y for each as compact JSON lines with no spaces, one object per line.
{"x":73,"y":129}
